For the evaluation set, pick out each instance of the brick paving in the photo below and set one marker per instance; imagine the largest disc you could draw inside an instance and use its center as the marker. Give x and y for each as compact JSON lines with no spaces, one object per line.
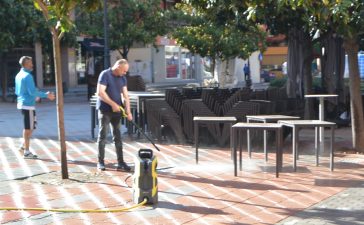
{"x":189,"y":193}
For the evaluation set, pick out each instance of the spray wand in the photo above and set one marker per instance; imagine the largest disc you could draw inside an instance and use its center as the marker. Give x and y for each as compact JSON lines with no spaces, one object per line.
{"x":123,"y":114}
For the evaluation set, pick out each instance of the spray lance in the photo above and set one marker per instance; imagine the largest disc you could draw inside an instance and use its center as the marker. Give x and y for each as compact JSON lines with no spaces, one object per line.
{"x":123,"y":114}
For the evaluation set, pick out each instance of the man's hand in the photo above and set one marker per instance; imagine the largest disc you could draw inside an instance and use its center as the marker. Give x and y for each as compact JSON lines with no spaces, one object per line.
{"x":115,"y":107}
{"x":129,"y":116}
{"x":50,"y":96}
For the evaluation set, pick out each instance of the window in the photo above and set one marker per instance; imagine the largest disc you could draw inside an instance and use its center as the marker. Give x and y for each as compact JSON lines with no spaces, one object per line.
{"x":180,"y":63}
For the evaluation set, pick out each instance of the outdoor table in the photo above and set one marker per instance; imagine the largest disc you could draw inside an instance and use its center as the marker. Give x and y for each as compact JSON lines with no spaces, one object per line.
{"x":321,"y":114}
{"x":265,"y":119}
{"x":137,"y":100}
{"x":209,"y":120}
{"x":236,"y":128}
{"x":296,"y":125}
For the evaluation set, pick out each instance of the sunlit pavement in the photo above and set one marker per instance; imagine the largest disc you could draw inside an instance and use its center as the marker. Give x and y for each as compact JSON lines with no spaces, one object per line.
{"x":189,"y":193}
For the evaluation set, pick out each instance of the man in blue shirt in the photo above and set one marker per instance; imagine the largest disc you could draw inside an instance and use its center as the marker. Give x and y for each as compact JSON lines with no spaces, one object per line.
{"x":27,"y":95}
{"x":111,"y":84}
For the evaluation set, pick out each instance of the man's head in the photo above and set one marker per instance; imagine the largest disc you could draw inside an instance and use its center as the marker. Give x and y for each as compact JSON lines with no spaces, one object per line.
{"x":120,"y":67}
{"x":26,"y":62}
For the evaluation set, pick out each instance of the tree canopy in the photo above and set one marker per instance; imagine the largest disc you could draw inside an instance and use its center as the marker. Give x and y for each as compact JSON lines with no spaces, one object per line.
{"x":130,"y":22}
{"x":217,"y":30}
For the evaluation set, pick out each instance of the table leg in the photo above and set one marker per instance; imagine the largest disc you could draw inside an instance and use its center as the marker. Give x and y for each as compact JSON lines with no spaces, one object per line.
{"x":240,"y":149}
{"x":277,"y":133}
{"x":265,"y":145}
{"x":294,"y":147}
{"x":280,"y":148}
{"x":234,"y":152}
{"x":322,"y":129}
{"x":248,"y":143}
{"x":196,"y":140}
{"x":317,"y":147}
{"x":231,"y":141}
{"x":332,"y":149}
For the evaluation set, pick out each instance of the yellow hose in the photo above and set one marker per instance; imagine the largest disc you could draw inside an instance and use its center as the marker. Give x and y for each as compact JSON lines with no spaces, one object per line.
{"x":77,"y":210}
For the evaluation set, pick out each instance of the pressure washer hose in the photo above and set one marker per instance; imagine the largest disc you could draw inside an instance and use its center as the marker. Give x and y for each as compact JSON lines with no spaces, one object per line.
{"x":65,"y":210}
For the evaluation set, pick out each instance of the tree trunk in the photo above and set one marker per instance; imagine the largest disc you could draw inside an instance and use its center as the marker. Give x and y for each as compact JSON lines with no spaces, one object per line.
{"x":299,"y":82}
{"x":356,"y":106}
{"x":293,"y":59}
{"x":4,"y":74}
{"x":59,"y":99}
{"x":307,"y":53}
{"x":332,"y":73}
{"x":213,"y":65}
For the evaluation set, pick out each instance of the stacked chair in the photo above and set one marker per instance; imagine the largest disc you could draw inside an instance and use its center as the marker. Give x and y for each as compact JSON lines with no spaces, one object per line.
{"x":135,"y":83}
{"x":177,"y":109}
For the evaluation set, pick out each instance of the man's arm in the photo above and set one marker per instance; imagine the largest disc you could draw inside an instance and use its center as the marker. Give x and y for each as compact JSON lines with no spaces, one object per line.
{"x":127,"y":103}
{"x":101,"y":92}
{"x":33,"y":91}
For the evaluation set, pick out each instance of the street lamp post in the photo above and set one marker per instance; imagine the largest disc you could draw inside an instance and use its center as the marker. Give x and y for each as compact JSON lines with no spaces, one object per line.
{"x":106,"y":38}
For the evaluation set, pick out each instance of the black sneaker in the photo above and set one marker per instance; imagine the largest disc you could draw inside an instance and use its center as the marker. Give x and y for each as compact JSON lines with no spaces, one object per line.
{"x":123,"y":167}
{"x":101,"y":166}
{"x":30,"y":155}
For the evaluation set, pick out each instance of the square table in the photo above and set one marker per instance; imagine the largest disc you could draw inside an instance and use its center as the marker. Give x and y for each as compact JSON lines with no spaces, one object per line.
{"x":321,"y":98}
{"x":296,"y":125}
{"x":235,"y":130}
{"x":209,"y":120}
{"x":265,"y":119}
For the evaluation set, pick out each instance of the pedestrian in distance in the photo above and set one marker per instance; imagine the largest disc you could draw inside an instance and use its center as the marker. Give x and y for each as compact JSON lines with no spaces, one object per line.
{"x":246,"y":72}
{"x":111,"y":85}
{"x":27,"y":96}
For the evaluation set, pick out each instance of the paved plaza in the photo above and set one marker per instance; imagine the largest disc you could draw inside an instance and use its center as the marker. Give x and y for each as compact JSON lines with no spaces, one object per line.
{"x":189,"y":193}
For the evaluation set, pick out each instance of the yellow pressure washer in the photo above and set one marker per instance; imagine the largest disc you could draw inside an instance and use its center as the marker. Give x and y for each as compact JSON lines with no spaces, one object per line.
{"x":145,"y":183}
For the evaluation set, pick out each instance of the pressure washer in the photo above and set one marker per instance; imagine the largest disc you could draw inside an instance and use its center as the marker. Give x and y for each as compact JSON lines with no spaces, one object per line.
{"x":145,"y":183}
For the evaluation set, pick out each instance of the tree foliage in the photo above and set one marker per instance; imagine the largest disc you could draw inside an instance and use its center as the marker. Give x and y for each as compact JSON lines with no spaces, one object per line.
{"x":24,"y":30}
{"x":217,"y":29}
{"x":130,"y":22}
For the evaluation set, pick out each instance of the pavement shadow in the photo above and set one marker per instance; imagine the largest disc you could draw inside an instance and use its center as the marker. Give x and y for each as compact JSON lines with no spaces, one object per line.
{"x":330,"y":216}
{"x":338,"y":183}
{"x":228,"y":183}
{"x":189,"y":208}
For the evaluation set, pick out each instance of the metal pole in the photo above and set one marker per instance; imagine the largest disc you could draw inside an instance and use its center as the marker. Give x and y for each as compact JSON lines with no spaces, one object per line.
{"x":106,"y":38}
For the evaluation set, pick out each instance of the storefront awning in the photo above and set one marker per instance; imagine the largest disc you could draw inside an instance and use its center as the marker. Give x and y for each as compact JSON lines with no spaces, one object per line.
{"x":93,"y":44}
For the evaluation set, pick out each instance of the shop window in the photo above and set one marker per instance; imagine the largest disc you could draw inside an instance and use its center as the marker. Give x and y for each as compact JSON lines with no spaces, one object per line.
{"x":180,"y":63}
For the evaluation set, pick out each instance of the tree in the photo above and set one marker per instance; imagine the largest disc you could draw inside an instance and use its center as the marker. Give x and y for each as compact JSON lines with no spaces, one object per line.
{"x":58,"y":16}
{"x":130,"y":22}
{"x":218,"y":30}
{"x":282,"y":19}
{"x":346,"y":18}
{"x":21,"y":16}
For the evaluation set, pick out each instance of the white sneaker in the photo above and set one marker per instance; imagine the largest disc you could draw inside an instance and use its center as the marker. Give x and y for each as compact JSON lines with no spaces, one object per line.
{"x":30,"y":155}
